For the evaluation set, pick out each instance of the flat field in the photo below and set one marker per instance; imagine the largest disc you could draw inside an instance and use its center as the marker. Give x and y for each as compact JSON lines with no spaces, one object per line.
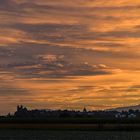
{"x":72,"y":126}
{"x":67,"y":135}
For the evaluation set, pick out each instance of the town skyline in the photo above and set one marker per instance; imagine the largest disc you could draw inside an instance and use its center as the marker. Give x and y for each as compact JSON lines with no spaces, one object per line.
{"x":23,"y":112}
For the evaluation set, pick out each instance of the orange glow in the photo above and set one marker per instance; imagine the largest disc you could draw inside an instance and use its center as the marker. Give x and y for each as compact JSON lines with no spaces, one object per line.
{"x":69,"y":54}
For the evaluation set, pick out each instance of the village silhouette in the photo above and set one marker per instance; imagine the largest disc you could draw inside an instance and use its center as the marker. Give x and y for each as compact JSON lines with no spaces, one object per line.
{"x":23,"y":112}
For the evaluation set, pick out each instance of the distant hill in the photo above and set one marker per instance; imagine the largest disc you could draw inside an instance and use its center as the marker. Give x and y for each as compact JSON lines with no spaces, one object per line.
{"x":137,"y":107}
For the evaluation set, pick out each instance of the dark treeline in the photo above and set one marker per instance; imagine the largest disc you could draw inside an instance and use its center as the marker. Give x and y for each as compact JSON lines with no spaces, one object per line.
{"x":23,"y":115}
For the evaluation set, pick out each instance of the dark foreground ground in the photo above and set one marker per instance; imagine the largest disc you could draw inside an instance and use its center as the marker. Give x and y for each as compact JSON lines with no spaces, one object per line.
{"x":67,"y":135}
{"x":69,"y":129}
{"x":71,"y":126}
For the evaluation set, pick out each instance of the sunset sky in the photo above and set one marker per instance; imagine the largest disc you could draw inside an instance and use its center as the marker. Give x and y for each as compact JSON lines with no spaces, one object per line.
{"x":69,"y":54}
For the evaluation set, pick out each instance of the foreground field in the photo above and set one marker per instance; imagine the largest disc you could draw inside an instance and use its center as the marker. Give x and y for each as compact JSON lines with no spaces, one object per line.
{"x":72,"y":126}
{"x":66,"y":135}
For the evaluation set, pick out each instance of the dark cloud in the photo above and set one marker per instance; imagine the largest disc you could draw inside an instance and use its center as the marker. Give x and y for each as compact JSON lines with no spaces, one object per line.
{"x":54,"y":66}
{"x":9,"y":91}
{"x":124,"y":89}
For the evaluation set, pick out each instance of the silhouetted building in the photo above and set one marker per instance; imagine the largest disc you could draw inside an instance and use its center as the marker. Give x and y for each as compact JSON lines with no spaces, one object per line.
{"x":24,"y":112}
{"x":84,"y":110}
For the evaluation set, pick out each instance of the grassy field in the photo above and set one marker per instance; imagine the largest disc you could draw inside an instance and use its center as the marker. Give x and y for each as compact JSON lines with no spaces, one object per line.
{"x":66,"y":135}
{"x":71,"y":120}
{"x":72,"y":124}
{"x":80,"y":127}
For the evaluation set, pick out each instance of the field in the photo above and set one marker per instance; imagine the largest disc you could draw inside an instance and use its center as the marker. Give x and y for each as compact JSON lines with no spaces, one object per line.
{"x":67,"y":135}
{"x":72,"y":126}
{"x":69,"y":129}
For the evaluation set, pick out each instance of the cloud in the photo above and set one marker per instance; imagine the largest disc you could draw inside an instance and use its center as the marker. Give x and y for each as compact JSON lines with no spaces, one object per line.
{"x":91,"y":47}
{"x":7,"y":91}
{"x":54,"y":66}
{"x":126,"y":90}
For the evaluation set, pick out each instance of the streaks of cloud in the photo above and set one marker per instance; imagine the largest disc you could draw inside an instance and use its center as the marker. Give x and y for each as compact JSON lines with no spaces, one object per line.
{"x":91,"y":47}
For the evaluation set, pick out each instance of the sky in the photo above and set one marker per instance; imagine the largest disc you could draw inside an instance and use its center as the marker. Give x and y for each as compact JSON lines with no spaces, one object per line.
{"x":69,"y":54}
